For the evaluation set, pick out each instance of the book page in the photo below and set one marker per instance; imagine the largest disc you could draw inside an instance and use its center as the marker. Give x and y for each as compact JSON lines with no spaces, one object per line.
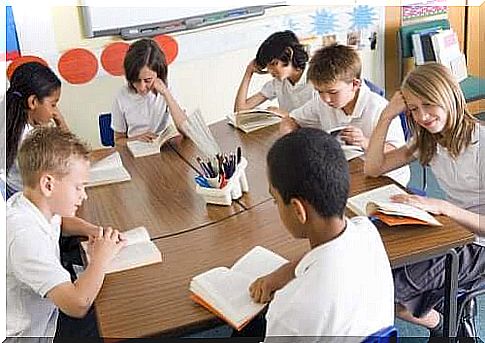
{"x":135,"y":255}
{"x":136,"y":235}
{"x":358,"y":203}
{"x":139,"y":148}
{"x":227,"y":292}
{"x":257,"y":262}
{"x":167,"y":134}
{"x":111,"y":162}
{"x":403,"y":210}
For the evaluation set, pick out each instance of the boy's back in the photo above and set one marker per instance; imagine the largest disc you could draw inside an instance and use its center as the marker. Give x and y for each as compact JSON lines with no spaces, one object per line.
{"x":33,"y":268}
{"x":341,"y":288}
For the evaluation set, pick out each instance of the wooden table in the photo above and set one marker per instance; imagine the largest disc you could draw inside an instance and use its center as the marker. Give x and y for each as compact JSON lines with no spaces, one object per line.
{"x":160,"y":196}
{"x":154,"y":300}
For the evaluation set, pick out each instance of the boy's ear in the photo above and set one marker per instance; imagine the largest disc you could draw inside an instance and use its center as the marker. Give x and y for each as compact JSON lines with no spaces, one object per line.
{"x":32,"y":102}
{"x":46,"y":184}
{"x":299,"y":210}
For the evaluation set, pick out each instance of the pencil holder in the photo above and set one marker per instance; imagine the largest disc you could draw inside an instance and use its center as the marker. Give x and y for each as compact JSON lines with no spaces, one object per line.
{"x":234,"y":189}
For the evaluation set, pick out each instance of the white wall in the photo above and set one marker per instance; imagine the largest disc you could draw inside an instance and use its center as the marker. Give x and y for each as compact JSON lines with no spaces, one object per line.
{"x":206,"y":74}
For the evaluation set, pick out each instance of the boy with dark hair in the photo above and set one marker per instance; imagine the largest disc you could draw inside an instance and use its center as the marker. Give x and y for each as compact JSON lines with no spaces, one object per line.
{"x":346,"y":275}
{"x":281,"y":55}
{"x":54,"y":166}
{"x":345,"y":101}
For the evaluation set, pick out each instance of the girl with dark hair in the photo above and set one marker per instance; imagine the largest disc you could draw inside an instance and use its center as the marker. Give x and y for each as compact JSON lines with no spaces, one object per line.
{"x":145,"y":106}
{"x":31,"y":101}
{"x":282,"y":56}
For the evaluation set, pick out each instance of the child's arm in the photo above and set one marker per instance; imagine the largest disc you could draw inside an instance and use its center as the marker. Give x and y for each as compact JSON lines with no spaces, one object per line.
{"x":288,"y":125}
{"x":473,"y":221}
{"x":352,"y":135}
{"x":75,"y":226}
{"x":378,"y":161}
{"x":60,"y":121}
{"x":262,"y":290}
{"x":242,"y":101}
{"x":76,"y":298}
{"x":178,"y":115}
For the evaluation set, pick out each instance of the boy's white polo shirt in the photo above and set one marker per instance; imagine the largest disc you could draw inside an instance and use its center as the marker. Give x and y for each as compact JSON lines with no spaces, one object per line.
{"x":341,"y":288}
{"x":367,"y":111}
{"x":136,"y":114}
{"x":33,"y":269}
{"x":289,"y":96}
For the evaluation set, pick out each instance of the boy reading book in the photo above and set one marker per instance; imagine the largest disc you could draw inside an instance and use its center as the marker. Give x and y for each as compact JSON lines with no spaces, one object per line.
{"x":54,"y":167}
{"x":345,"y":100}
{"x":346,"y":275}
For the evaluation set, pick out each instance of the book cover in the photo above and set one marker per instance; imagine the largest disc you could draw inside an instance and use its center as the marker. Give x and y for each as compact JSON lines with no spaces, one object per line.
{"x":107,"y":171}
{"x":140,"y":149}
{"x":225,"y":291}
{"x":138,"y":252}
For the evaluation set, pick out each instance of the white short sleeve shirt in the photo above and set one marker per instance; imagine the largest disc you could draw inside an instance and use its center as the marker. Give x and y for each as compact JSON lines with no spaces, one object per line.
{"x":368,"y":108}
{"x":136,"y":114}
{"x":14,"y":179}
{"x":289,"y":96}
{"x":341,"y":288}
{"x":33,"y":269}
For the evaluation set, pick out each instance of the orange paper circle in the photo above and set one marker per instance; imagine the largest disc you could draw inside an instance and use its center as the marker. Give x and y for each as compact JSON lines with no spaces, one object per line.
{"x":21,"y":60}
{"x":169,"y":47}
{"x":112,"y":58}
{"x":78,"y":66}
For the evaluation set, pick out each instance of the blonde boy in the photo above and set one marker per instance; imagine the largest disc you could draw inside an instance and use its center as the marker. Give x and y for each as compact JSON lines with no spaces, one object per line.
{"x":54,"y":169}
{"x":344,"y":100}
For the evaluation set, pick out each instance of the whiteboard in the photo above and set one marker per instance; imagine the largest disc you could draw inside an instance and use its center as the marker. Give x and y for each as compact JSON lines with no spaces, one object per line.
{"x":103,"y":21}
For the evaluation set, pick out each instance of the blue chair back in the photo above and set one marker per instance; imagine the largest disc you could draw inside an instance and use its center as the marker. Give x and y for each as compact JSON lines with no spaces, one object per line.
{"x":105,"y":131}
{"x":386,"y":335}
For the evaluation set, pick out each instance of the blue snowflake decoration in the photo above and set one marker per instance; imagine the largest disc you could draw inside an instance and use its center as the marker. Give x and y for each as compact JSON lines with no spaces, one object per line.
{"x":289,"y":23}
{"x":363,"y":16}
{"x":324,"y":22}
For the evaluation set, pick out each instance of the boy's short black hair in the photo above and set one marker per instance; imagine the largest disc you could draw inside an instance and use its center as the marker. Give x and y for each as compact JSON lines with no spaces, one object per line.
{"x":309,"y":164}
{"x":283,"y":46}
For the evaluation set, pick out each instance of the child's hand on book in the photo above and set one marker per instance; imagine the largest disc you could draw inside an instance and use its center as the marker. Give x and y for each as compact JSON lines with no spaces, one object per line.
{"x":352,"y":135}
{"x":262,"y":290}
{"x":144,"y":137}
{"x":395,"y":106}
{"x":435,"y":206}
{"x":103,"y":248}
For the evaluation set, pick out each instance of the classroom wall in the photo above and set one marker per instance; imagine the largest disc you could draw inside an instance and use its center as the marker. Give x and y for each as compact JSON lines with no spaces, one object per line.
{"x":202,"y":78}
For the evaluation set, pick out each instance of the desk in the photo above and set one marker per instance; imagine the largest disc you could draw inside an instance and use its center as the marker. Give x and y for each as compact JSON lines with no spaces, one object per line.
{"x":154,"y":300}
{"x":254,"y":146}
{"x":160,"y":196}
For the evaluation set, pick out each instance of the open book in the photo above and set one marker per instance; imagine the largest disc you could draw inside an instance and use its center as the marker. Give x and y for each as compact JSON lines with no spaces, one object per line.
{"x":350,"y":151}
{"x":254,"y":119}
{"x":139,"y":251}
{"x":139,"y":148}
{"x":225,"y":291}
{"x":108,"y":170}
{"x":377,"y":203}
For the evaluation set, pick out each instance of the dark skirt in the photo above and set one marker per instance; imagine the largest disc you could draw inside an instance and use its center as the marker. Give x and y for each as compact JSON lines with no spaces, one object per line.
{"x":420,"y":287}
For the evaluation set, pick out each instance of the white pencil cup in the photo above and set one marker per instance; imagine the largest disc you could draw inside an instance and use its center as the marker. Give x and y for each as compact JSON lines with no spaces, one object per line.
{"x":234,"y":189}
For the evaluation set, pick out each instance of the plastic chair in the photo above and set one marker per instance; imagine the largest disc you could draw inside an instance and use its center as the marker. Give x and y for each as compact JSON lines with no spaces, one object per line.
{"x":473,"y":87}
{"x":105,"y":131}
{"x":385,"y":335}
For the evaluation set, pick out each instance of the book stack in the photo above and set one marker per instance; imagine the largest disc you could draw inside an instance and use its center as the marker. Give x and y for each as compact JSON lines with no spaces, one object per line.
{"x":377,"y":203}
{"x":442,"y":46}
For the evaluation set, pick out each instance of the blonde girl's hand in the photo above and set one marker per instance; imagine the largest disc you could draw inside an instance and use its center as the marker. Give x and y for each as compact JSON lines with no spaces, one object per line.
{"x":435,"y":206}
{"x":144,"y":137}
{"x":395,"y":106}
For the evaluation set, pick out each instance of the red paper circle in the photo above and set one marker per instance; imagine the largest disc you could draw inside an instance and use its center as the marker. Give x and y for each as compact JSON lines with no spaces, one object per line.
{"x":169,"y":47}
{"x":78,"y":66}
{"x":112,"y":58}
{"x":21,"y":60}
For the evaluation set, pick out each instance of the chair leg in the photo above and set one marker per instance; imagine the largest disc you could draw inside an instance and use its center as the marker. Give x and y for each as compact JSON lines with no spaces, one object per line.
{"x":466,"y":326}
